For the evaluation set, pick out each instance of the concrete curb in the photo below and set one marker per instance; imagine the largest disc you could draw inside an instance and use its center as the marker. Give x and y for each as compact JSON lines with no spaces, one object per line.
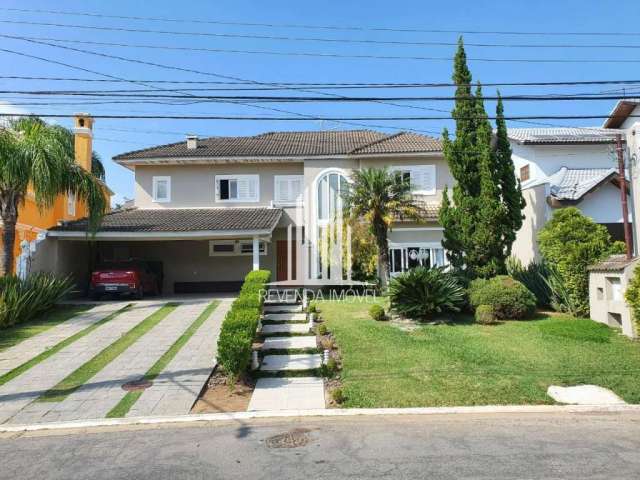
{"x":346,"y":412}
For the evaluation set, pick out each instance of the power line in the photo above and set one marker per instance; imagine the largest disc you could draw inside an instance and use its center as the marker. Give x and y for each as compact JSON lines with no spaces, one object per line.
{"x":289,"y":85}
{"x":325,"y":118}
{"x":317,"y":27}
{"x":313,"y":39}
{"x":316,"y":54}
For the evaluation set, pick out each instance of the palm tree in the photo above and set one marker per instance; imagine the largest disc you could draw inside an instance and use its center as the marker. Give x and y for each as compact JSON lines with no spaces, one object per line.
{"x":378,"y":197}
{"x":39,"y":157}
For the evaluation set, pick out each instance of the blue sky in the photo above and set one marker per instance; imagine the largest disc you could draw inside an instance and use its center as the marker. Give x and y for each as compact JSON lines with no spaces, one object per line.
{"x":117,"y":136}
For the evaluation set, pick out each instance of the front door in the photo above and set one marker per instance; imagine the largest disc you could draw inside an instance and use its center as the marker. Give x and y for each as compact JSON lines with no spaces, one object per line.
{"x":282,"y":261}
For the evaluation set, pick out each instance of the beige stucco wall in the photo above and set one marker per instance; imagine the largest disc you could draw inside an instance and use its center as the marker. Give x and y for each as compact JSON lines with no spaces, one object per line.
{"x":63,"y":258}
{"x":602,"y":304}
{"x":536,"y":214}
{"x":194,"y":185}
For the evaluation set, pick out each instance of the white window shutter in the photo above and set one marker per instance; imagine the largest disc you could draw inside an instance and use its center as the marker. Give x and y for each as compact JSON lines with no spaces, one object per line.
{"x":296,"y":189}
{"x":423,"y":178}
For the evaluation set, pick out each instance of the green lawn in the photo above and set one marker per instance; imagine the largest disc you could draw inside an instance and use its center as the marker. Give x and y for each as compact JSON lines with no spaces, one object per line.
{"x":124,"y":405}
{"x":86,"y":371}
{"x":15,"y":334}
{"x":468,"y":364}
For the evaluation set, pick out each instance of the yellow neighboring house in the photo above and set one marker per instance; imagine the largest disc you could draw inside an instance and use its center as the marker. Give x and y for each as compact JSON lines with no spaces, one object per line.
{"x":31,"y":220}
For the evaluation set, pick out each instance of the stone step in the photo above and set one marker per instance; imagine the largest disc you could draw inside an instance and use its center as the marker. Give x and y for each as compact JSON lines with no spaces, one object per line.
{"x":285,"y":296}
{"x":285,"y":328}
{"x":281,"y":301}
{"x":285,"y":317}
{"x":283,"y":308}
{"x":292,"y":393}
{"x":284,"y":343}
{"x":287,"y":363}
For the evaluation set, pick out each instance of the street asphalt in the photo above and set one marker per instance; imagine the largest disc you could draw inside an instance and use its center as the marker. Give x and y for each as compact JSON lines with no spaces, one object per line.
{"x":497,"y":446}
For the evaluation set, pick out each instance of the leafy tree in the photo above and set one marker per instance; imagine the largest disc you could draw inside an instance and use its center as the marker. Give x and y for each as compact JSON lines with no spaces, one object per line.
{"x":38,"y":157}
{"x":570,"y":242}
{"x":378,"y":197}
{"x":481,"y":219}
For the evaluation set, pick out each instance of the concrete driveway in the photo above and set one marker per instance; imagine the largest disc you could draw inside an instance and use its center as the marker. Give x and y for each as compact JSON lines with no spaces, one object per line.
{"x":174,"y":391}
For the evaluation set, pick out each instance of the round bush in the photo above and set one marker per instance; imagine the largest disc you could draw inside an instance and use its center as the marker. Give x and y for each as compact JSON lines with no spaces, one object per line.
{"x":377,"y":313}
{"x":484,"y":315}
{"x":508,"y":298}
{"x":422,"y":292}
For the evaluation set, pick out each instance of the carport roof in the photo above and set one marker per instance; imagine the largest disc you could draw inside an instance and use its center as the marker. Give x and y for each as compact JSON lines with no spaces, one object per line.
{"x":167,"y":220}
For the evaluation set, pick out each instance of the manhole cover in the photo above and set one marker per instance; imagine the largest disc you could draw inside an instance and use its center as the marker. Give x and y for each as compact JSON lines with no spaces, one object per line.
{"x":137,"y":385}
{"x":292,"y":439}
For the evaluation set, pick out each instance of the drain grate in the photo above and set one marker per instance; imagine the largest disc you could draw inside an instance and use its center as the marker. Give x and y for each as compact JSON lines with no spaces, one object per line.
{"x":295,"y":438}
{"x":137,"y":385}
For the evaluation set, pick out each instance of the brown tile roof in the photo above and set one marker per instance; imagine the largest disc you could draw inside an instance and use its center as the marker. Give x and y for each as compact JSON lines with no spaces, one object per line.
{"x":283,"y":144}
{"x":182,"y":220}
{"x":615,"y":263}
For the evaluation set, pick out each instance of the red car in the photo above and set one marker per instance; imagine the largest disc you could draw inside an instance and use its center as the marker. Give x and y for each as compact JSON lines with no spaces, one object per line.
{"x":133,"y":277}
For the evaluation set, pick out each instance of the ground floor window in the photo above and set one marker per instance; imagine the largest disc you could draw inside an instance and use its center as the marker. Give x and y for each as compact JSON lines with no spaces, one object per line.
{"x":406,"y":257}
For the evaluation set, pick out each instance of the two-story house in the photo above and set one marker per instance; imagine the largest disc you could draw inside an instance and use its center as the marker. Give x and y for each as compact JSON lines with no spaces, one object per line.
{"x":560,"y":167}
{"x":212,"y":209}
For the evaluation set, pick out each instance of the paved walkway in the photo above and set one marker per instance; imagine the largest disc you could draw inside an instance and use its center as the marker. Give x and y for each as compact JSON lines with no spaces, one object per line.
{"x":103,"y":392}
{"x":177,"y":388}
{"x":33,"y":346}
{"x":288,"y":392}
{"x":18,"y":393}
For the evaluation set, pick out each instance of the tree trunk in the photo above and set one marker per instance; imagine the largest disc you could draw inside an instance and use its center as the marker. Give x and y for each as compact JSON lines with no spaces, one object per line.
{"x":8,"y":241}
{"x":382,"y":240}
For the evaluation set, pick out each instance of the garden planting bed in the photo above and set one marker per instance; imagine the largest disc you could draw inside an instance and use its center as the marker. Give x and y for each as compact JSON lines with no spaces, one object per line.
{"x":218,"y":396}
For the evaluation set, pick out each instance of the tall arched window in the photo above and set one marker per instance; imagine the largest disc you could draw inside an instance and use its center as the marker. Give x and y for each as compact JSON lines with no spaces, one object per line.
{"x":331,"y":186}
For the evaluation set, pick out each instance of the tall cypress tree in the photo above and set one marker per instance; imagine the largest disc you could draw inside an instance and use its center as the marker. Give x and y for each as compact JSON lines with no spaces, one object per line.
{"x":484,"y":213}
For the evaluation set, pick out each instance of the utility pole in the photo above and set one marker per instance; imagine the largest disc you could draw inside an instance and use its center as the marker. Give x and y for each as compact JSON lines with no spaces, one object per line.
{"x":623,"y":193}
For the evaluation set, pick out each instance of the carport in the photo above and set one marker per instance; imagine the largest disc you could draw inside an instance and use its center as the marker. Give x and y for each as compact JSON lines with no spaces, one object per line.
{"x":198,"y":250}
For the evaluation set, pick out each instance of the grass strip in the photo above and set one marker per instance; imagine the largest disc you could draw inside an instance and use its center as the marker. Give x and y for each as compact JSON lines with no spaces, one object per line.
{"x":125,"y":404}
{"x":85,"y":372}
{"x":19,"y":370}
{"x":13,"y":335}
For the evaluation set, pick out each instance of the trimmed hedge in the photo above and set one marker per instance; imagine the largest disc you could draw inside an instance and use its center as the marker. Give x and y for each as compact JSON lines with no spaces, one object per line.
{"x":632,"y":296}
{"x":377,"y":313}
{"x":508,"y":298}
{"x":239,"y":326}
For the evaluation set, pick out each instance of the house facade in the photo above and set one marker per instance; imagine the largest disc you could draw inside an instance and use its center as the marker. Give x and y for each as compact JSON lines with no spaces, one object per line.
{"x":560,"y":167}
{"x":33,"y":222}
{"x":212,"y":209}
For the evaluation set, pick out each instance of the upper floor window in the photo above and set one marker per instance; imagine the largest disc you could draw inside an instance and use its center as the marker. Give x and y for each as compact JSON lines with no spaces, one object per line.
{"x":237,"y":188}
{"x":161,"y":189}
{"x":71,"y":204}
{"x":525,"y":173}
{"x":421,"y":177}
{"x":331,"y":186}
{"x":287,"y":189}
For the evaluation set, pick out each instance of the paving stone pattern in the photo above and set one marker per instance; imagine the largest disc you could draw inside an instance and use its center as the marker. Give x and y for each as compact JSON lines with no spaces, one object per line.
{"x":177,"y":388}
{"x":20,"y":392}
{"x":33,"y":346}
{"x":99,"y":395}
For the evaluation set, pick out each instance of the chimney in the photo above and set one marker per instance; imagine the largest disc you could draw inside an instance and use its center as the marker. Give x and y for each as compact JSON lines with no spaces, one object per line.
{"x":83,"y":139}
{"x":192,"y":142}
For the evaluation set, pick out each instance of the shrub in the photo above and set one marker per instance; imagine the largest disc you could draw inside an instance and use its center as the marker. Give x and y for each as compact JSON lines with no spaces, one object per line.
{"x":534,"y":276}
{"x":570,"y":242}
{"x":338,"y":395}
{"x":377,"y":313}
{"x":508,"y":298}
{"x":23,"y":300}
{"x":484,"y":315}
{"x":239,"y":326}
{"x":312,"y":308}
{"x":422,"y":292}
{"x":632,"y":296}
{"x":561,"y":298}
{"x":322,"y":329}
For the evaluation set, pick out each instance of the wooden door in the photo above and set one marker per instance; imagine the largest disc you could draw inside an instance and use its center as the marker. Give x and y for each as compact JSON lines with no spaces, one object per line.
{"x":282,"y":260}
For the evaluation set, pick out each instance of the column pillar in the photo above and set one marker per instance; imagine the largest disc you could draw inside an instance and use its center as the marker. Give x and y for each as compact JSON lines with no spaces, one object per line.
{"x":256,"y":253}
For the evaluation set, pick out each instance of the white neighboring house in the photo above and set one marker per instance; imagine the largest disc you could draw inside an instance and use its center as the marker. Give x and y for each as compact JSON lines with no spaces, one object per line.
{"x":625,"y":117}
{"x":561,"y":167}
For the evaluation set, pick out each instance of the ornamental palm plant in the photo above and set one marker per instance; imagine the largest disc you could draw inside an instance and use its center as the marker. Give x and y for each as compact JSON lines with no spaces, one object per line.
{"x":39,"y":158}
{"x":379,"y":197}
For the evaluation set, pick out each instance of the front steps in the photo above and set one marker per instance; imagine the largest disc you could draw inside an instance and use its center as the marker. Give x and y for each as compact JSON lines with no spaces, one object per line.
{"x":287,"y":332}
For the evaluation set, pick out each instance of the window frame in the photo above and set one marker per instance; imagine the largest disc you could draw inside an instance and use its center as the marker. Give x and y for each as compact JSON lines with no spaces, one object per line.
{"x":71,"y":204}
{"x":410,"y":169}
{"x":213,"y":243}
{"x":262,"y":245}
{"x":237,"y":248}
{"x":525,"y":168}
{"x":154,"y":193}
{"x":290,"y":179}
{"x":238,"y":176}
